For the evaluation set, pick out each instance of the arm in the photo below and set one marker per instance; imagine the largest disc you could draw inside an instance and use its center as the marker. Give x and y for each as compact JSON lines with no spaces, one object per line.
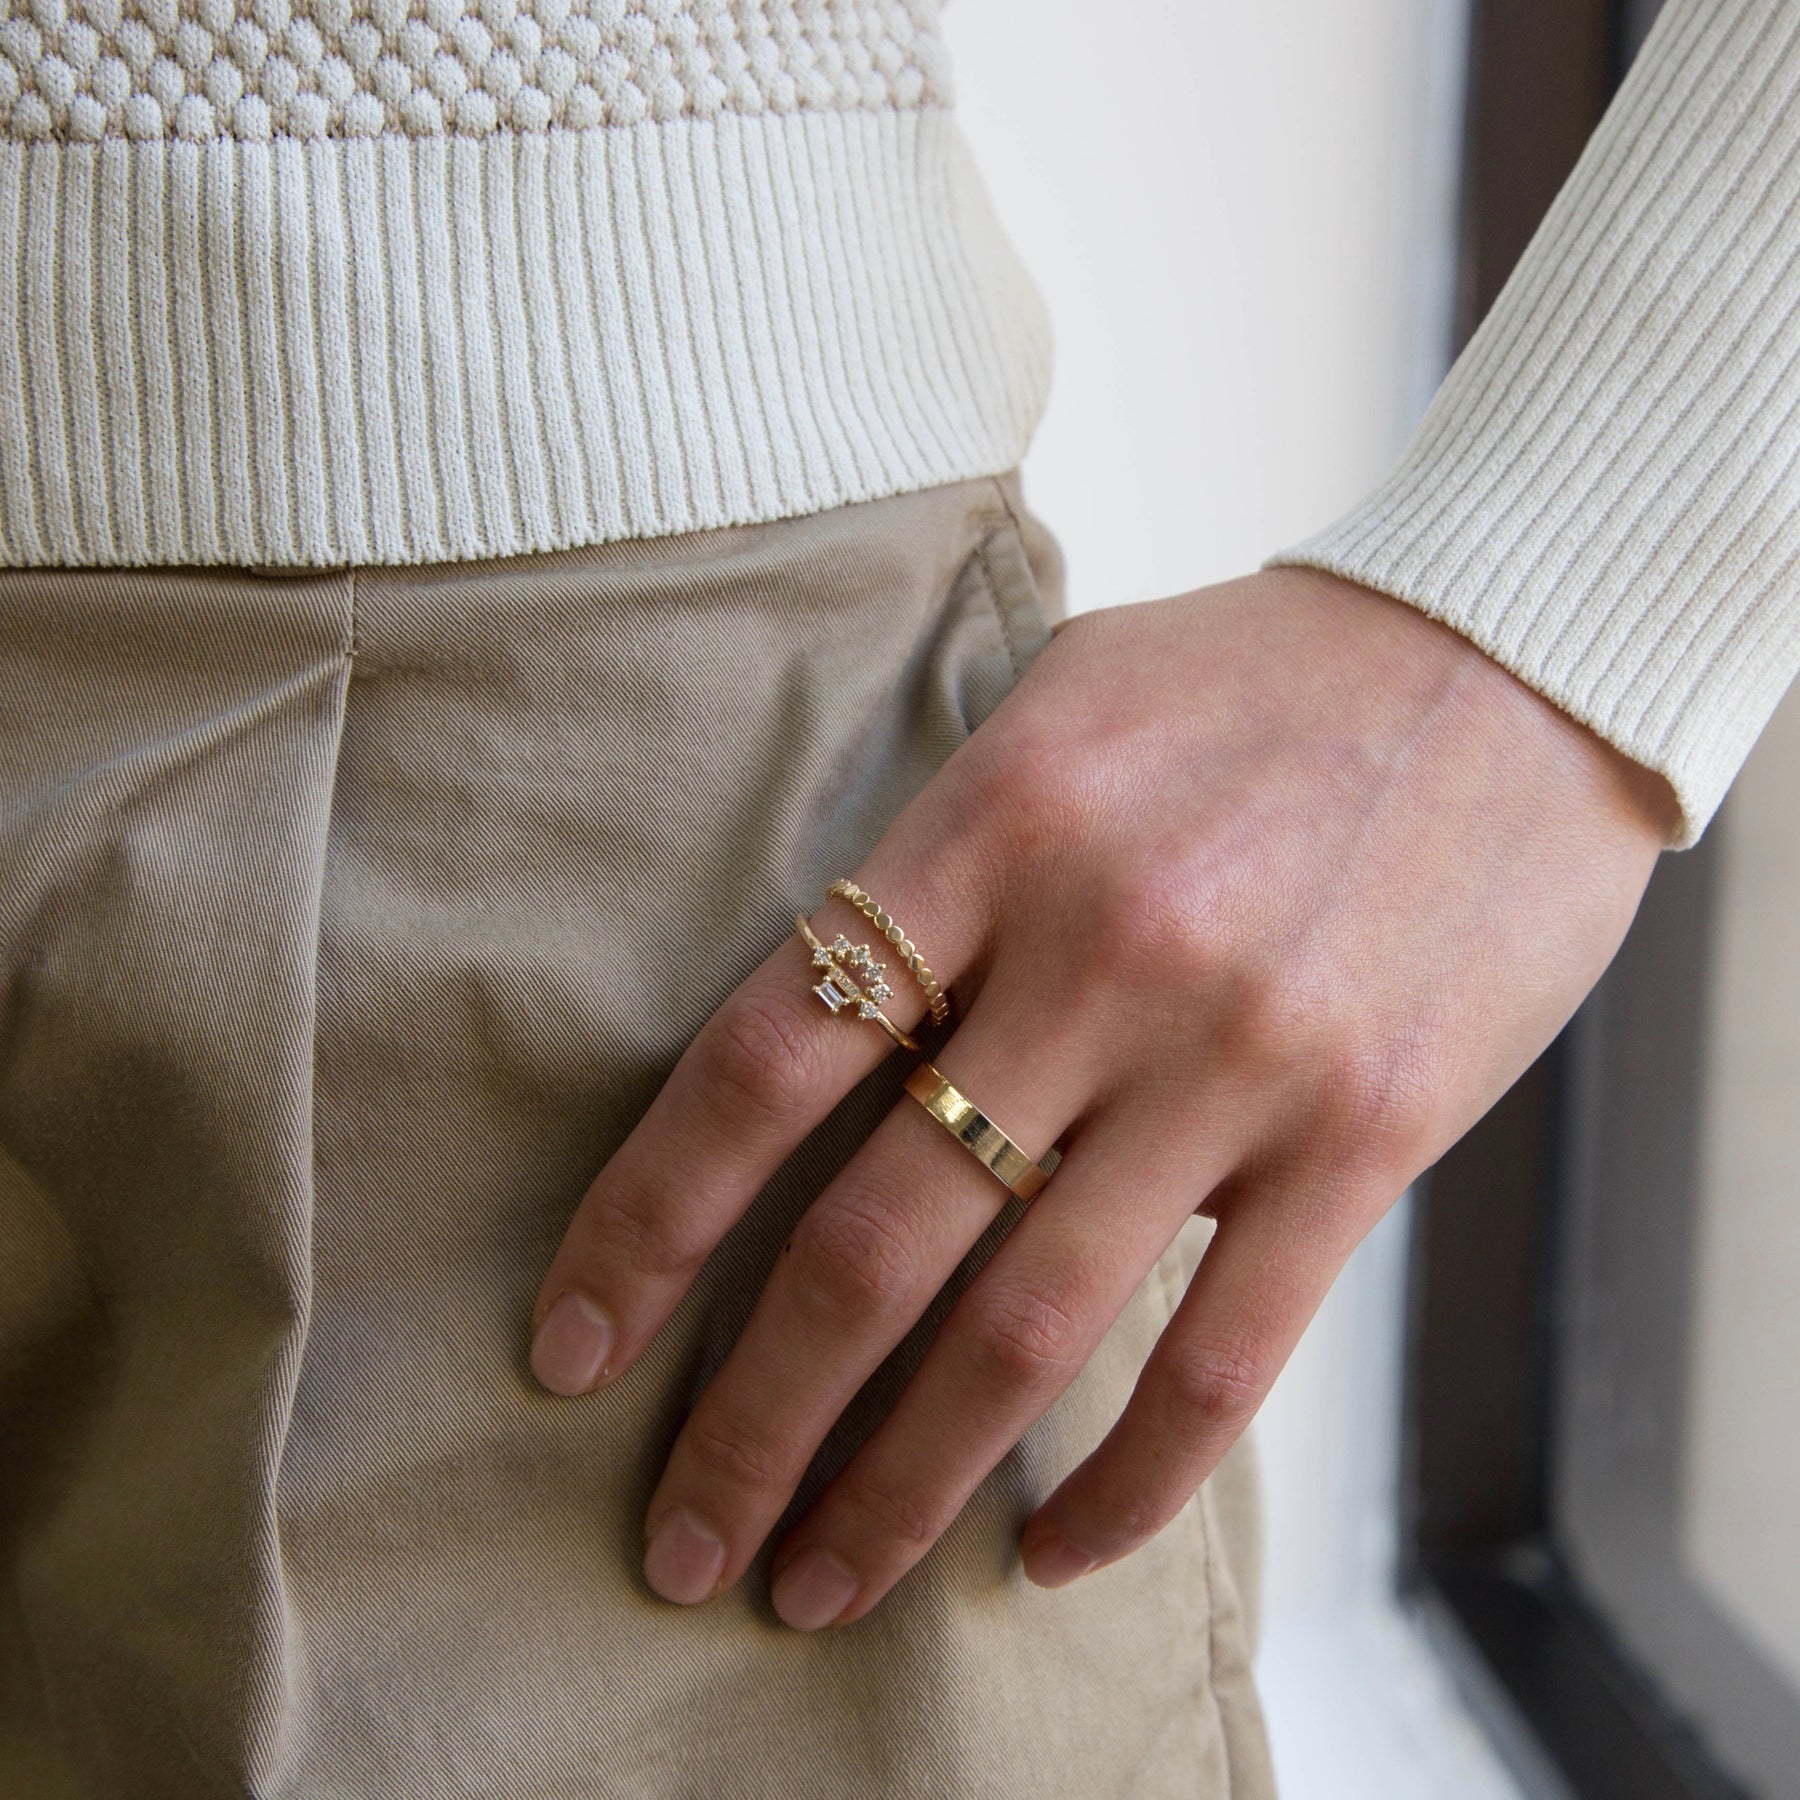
{"x":1605,"y":494}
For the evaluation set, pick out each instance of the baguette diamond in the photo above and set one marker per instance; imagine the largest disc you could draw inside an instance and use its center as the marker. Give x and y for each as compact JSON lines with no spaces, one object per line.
{"x":839,"y":988}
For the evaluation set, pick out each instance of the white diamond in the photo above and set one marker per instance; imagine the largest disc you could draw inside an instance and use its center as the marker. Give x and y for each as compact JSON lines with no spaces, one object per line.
{"x":867,"y":1009}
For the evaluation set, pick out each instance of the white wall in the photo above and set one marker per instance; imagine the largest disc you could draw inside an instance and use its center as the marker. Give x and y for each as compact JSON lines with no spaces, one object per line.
{"x":1237,"y":215}
{"x":1240,"y":216}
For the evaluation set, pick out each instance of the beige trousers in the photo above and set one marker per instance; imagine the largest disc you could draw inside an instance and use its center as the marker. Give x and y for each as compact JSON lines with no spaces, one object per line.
{"x":347,"y":921}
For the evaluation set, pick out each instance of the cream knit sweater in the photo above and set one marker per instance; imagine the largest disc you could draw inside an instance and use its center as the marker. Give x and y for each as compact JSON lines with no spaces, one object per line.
{"x":334,"y":281}
{"x":345,"y":281}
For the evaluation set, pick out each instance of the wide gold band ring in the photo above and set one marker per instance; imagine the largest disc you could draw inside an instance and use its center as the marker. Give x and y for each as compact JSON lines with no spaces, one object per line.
{"x":979,"y":1135}
{"x":852,"y":978}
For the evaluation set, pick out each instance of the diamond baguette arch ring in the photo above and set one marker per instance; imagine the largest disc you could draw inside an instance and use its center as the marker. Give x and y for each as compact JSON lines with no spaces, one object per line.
{"x":979,"y":1135}
{"x":935,"y":997}
{"x":852,"y":978}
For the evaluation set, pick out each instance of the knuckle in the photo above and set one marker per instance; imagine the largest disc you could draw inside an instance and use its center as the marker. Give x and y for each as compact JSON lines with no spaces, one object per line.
{"x":1180,"y":925}
{"x":644,"y":1233}
{"x":854,"y":1251}
{"x":1025,"y":1339}
{"x":1272,"y":1016}
{"x":901,"y":1517}
{"x":1213,"y":1388}
{"x":1135,"y":1518}
{"x":1165,"y":923}
{"x":1042,"y":779}
{"x":1375,"y":1097}
{"x":1016,"y":769}
{"x":758,"y":1056}
{"x":729,"y":1451}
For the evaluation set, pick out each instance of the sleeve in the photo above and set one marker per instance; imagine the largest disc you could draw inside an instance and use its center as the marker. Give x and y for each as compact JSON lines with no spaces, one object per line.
{"x":1605,"y":493}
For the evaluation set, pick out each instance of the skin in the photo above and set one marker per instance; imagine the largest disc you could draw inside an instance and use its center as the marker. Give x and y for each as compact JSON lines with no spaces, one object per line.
{"x":1254,"y":900}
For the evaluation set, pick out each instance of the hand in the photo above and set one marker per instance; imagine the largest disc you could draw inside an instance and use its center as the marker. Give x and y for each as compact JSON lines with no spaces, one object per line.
{"x":1255,"y":899}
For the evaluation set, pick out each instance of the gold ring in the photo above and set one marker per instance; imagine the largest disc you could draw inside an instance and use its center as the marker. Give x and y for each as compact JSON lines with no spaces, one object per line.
{"x":979,"y":1135}
{"x":841,"y":988}
{"x":935,"y":997}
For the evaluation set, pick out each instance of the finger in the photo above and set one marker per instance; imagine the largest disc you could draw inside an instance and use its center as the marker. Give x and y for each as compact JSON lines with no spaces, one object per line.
{"x":861,"y":1268}
{"x":765,"y":1069}
{"x":1261,"y":1280}
{"x":1012,"y":1344}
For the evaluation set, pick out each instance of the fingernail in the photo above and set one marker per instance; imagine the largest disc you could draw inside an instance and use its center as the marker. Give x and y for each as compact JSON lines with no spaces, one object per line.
{"x":572,"y":1345}
{"x":812,"y":1590}
{"x":1053,"y":1562}
{"x":683,"y":1559}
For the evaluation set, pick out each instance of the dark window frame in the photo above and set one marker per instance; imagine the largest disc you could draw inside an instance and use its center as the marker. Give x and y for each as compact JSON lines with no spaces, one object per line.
{"x":1515,"y":1224}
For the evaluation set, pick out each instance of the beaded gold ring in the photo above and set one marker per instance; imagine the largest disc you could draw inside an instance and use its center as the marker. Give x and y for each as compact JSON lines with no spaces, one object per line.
{"x":935,"y":997}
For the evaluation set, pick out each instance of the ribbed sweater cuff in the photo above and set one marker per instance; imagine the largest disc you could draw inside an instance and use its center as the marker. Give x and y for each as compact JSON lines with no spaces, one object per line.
{"x":1605,"y":494}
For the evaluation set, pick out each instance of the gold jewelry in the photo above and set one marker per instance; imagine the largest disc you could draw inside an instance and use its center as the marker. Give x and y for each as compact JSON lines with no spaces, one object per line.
{"x":840,"y":988}
{"x":979,"y":1135}
{"x":935,"y":996}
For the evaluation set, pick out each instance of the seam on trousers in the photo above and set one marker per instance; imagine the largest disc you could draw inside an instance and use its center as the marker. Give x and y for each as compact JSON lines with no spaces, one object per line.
{"x":999,"y":606}
{"x":1006,"y":504}
{"x":1018,"y":530}
{"x":271,"y":1749}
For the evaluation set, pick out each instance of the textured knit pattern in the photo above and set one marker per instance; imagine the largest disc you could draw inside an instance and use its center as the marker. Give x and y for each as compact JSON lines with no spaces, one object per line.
{"x":346,"y":281}
{"x":258,"y":69}
{"x":1605,"y":495}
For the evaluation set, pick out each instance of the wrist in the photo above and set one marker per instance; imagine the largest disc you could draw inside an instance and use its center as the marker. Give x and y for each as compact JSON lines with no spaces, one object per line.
{"x":1473,"y":698}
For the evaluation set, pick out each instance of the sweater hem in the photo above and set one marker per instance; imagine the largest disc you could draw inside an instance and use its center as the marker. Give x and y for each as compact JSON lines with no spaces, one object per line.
{"x":402,"y":350}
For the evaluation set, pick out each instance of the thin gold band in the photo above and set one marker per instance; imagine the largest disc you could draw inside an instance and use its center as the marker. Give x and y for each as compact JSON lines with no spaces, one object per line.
{"x":840,"y":988}
{"x":979,"y":1135}
{"x":935,"y":997}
